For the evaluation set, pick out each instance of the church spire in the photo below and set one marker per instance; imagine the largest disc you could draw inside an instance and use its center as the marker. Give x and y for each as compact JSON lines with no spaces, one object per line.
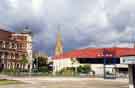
{"x":59,"y":45}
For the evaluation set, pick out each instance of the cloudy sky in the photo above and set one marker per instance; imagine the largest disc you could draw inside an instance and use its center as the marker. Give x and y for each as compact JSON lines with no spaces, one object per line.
{"x":82,"y":23}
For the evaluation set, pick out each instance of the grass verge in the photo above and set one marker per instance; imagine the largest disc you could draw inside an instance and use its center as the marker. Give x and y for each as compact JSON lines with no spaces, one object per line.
{"x":5,"y":82}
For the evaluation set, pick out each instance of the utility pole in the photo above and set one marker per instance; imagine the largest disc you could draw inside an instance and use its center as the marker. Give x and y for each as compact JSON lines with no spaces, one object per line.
{"x":131,"y":70}
{"x":104,"y":55}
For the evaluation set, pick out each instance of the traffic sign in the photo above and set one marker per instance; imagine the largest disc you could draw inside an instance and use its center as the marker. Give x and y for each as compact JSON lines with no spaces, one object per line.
{"x":127,"y":60}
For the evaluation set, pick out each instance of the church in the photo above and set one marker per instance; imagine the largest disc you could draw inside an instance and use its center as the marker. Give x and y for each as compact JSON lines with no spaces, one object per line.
{"x":61,"y":63}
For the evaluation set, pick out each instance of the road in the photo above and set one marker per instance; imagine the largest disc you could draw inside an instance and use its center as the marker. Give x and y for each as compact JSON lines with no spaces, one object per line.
{"x":46,"y":82}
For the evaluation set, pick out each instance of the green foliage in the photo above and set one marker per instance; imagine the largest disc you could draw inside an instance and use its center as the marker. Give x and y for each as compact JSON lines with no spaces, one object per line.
{"x":73,"y":61}
{"x":84,"y":69}
{"x":24,"y":70}
{"x":43,"y":65}
{"x":43,"y":69}
{"x":6,"y":82}
{"x":10,"y":70}
{"x":24,"y":60}
{"x":42,"y":61}
{"x":70,"y":71}
{"x":67,"y":71}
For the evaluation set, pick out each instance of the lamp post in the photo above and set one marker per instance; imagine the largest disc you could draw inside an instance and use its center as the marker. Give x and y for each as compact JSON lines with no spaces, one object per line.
{"x":104,"y":67}
{"x":104,"y":56}
{"x":114,"y":63}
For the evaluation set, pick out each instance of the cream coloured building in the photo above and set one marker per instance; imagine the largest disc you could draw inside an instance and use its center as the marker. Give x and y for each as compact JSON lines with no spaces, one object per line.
{"x":12,"y":47}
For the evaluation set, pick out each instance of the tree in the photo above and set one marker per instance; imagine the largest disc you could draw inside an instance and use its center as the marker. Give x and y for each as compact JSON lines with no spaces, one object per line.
{"x":68,"y":71}
{"x":42,"y":61}
{"x":23,"y":62}
{"x":84,"y":69}
{"x":73,"y":62}
{"x":42,"y":64}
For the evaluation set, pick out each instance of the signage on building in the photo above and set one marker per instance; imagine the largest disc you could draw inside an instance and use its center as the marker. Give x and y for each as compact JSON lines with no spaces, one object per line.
{"x":127,"y":60}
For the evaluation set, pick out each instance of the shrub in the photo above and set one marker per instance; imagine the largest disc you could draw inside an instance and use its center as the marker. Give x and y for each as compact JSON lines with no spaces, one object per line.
{"x":84,"y":69}
{"x":66,"y":71}
{"x":43,"y":69}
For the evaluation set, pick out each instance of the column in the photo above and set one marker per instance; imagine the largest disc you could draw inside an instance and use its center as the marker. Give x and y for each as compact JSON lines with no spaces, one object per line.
{"x":104,"y":68}
{"x":3,"y":60}
{"x":131,"y":78}
{"x":3,"y":44}
{"x":54,"y":67}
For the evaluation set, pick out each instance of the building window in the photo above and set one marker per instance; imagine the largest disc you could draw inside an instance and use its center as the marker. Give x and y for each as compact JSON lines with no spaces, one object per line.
{"x":8,"y":65}
{"x":10,"y":45}
{"x":11,"y":65}
{"x":17,"y":65}
{"x":2,"y":66}
{"x":3,"y":44}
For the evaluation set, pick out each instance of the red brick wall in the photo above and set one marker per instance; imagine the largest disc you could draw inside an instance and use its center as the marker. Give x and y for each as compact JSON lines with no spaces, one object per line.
{"x":4,"y":35}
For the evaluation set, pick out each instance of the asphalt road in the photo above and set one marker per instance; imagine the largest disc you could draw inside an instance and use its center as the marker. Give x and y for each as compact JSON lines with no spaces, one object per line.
{"x":43,"y":82}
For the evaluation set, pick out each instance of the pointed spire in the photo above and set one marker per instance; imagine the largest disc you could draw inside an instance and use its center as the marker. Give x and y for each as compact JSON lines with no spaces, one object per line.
{"x":59,"y":45}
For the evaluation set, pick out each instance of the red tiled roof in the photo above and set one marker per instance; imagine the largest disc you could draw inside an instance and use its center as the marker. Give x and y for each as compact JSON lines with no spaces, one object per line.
{"x":97,"y":53}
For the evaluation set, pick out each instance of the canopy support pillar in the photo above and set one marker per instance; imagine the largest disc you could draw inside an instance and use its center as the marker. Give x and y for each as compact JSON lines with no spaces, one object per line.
{"x":131,"y":70}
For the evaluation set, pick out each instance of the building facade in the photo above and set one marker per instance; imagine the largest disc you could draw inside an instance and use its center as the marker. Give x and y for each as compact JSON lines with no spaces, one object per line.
{"x":13,"y":46}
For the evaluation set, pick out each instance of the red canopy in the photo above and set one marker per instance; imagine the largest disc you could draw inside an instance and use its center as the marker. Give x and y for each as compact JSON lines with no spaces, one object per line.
{"x":97,"y":53}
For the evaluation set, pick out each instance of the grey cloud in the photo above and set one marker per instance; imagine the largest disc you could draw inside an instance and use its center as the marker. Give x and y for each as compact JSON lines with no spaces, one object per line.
{"x":83,"y":23}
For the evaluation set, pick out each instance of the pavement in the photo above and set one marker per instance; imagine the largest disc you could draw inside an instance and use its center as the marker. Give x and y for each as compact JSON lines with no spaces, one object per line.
{"x":64,"y":82}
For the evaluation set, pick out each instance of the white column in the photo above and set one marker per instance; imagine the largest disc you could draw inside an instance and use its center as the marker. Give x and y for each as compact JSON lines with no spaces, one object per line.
{"x":130,"y":70}
{"x":54,"y":67}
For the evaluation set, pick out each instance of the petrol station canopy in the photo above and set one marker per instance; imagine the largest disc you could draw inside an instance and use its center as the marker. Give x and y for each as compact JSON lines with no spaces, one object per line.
{"x":97,"y":53}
